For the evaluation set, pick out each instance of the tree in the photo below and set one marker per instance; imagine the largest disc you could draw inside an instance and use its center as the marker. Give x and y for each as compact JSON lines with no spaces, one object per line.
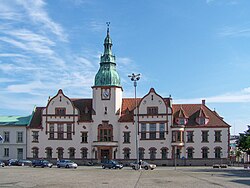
{"x":244,"y":141}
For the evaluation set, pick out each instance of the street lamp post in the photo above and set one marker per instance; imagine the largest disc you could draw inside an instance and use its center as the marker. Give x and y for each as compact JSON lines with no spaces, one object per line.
{"x":135,"y":78}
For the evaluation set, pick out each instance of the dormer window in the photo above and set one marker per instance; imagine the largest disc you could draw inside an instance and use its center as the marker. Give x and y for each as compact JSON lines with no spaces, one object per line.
{"x":181,"y":121}
{"x":202,"y":120}
{"x":60,"y":111}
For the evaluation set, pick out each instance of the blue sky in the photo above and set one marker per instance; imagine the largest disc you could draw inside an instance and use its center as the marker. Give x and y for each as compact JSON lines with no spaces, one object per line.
{"x":193,"y":50}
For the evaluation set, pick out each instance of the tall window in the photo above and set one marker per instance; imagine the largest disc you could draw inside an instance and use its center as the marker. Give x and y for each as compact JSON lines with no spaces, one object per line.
{"x":126,"y":137}
{"x":48,"y":152}
{"x":35,"y":152}
{"x":217,"y":152}
{"x":164,"y":153}
{"x":141,"y":153}
{"x":143,"y":131}
{"x":84,"y":152}
{"x":59,"y":153}
{"x":19,"y":137}
{"x":204,"y":151}
{"x":51,"y":131}
{"x":105,"y":132}
{"x":35,"y":136}
{"x":84,"y":137}
{"x":60,"y":131}
{"x":69,"y":131}
{"x":217,"y":135}
{"x":162,"y":130}
{"x":152,"y":153}
{"x":190,"y":152}
{"x":126,"y":152}
{"x":190,"y":136}
{"x":176,"y":136}
{"x":152,"y":110}
{"x":6,"y":152}
{"x":6,"y":136}
{"x":19,"y":153}
{"x":72,"y":153}
{"x":204,"y":136}
{"x":60,"y":111}
{"x":152,"y":131}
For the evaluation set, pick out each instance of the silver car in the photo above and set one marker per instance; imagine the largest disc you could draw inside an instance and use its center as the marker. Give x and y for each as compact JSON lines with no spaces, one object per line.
{"x":144,"y":165}
{"x":66,"y":164}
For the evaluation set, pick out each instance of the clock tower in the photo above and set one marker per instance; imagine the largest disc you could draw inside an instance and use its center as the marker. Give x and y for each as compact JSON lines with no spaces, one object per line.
{"x":107,"y":90}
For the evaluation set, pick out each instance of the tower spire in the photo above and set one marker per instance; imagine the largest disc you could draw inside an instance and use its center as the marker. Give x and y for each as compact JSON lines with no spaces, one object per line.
{"x":107,"y":74}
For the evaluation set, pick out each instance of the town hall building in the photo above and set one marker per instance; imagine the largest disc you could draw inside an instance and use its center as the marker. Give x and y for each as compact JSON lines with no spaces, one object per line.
{"x":104,"y":126}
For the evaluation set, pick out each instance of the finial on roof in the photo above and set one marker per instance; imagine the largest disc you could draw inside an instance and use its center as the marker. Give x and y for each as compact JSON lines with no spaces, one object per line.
{"x":108,"y":23}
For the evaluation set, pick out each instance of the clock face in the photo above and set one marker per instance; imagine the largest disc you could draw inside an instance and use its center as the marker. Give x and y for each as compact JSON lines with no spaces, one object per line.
{"x":105,"y":94}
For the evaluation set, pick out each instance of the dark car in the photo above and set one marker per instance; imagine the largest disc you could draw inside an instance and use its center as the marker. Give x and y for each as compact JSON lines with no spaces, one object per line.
{"x":2,"y":164}
{"x":24,"y":162}
{"x":42,"y":163}
{"x":112,"y":164}
{"x":13,"y":162}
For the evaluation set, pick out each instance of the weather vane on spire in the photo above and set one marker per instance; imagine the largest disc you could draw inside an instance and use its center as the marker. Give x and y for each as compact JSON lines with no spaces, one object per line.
{"x":108,"y":23}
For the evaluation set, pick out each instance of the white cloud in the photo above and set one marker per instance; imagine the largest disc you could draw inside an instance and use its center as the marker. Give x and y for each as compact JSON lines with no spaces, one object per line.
{"x":233,"y":97}
{"x":12,"y":55}
{"x":237,"y":31}
{"x":37,"y":13}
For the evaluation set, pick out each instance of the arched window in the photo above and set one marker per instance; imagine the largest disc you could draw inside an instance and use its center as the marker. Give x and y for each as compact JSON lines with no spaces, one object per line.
{"x":60,"y":153}
{"x":35,"y":151}
{"x":105,"y":132}
{"x":164,"y":153}
{"x":141,"y":153}
{"x":217,"y":152}
{"x":152,"y":153}
{"x":72,"y":153}
{"x":190,"y":151}
{"x":204,"y":152}
{"x":48,"y":151}
{"x":84,"y":152}
{"x":126,"y":152}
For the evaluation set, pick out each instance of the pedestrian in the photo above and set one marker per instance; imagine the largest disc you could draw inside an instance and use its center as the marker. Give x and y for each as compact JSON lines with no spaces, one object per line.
{"x":140,"y":163}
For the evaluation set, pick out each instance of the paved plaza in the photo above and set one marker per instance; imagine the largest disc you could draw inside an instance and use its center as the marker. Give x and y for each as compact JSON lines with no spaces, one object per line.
{"x":97,"y":177}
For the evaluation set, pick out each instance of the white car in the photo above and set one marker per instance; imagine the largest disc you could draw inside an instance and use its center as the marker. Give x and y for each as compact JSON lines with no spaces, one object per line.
{"x":144,"y":165}
{"x":66,"y":164}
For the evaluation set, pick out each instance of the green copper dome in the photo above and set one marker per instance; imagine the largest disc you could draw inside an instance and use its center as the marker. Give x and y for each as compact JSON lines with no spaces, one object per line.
{"x":107,"y":74}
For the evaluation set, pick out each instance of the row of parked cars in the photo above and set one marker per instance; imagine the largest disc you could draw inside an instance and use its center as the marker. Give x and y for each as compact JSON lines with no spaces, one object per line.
{"x":38,"y":163}
{"x":110,"y":164}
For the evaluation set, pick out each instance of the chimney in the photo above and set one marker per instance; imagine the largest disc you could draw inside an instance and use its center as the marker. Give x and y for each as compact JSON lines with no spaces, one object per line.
{"x":204,"y":102}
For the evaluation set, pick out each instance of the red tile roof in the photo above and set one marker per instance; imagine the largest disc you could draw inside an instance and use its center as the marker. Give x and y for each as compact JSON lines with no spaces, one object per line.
{"x":36,"y":120}
{"x":84,"y":105}
{"x":193,"y":111}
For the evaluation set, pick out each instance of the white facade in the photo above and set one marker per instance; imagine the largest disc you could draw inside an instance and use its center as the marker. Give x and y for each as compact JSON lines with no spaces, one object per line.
{"x":103,"y":127}
{"x":14,"y":143}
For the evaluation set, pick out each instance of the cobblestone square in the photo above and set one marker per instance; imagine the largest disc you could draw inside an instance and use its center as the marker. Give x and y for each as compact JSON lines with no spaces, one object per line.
{"x":97,"y":177}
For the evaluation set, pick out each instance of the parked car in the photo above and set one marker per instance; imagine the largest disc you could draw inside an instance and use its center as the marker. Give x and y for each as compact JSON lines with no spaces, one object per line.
{"x":2,"y":164}
{"x":66,"y":164}
{"x":144,"y":165}
{"x":24,"y":162}
{"x":112,"y":164}
{"x":13,"y":162}
{"x":42,"y":163}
